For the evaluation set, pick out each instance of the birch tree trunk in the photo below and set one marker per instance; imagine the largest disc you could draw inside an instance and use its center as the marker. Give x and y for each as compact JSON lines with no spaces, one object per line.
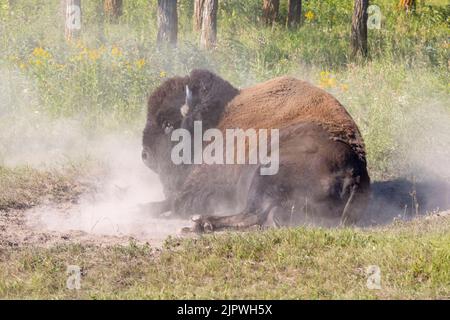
{"x":198,"y":12}
{"x":209,"y":24}
{"x":72,"y":18}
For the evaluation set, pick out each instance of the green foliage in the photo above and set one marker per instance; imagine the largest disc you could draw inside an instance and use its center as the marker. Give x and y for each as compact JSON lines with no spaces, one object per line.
{"x":25,"y":187}
{"x":104,"y":78}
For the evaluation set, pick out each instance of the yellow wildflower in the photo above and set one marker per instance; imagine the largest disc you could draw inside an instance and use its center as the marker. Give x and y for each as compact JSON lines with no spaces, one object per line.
{"x":331,"y":82}
{"x":162,"y":74}
{"x":140,"y":63}
{"x":309,"y":16}
{"x":116,"y":51}
{"x":327,"y":80}
{"x":344,"y":87}
{"x":94,"y":55}
{"x":4,"y":6}
{"x":324,"y":74}
{"x":40,"y":52}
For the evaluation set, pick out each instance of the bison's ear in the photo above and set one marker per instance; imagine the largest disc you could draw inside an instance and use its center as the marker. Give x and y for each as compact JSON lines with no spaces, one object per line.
{"x":188,"y":102}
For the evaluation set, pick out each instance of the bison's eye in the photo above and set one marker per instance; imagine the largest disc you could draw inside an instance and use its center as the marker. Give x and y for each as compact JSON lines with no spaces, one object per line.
{"x":167,"y":127}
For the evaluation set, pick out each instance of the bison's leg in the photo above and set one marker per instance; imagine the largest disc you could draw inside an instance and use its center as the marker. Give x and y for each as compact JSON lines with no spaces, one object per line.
{"x":262,"y":199}
{"x":356,"y":203}
{"x":279,"y":217}
{"x":239,"y":221}
{"x":156,"y":209}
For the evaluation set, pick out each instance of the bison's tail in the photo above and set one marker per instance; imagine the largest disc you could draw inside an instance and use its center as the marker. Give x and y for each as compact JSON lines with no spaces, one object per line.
{"x":346,"y":217}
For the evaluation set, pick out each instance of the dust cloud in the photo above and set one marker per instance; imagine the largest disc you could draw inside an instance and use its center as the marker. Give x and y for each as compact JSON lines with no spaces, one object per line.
{"x":29,"y":137}
{"x":114,"y":209}
{"x":423,"y":186}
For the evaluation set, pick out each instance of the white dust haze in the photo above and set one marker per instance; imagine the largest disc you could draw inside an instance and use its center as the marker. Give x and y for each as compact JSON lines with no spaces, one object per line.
{"x":30,"y":138}
{"x":114,"y":209}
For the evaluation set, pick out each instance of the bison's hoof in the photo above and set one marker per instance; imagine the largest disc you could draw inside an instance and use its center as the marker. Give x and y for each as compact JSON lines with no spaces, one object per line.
{"x":186,"y":230}
{"x":207,"y":227}
{"x":201,"y":224}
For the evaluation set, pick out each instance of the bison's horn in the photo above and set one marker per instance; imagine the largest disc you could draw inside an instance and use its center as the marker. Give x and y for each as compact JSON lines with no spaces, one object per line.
{"x":185,"y":108}
{"x":188,"y":96}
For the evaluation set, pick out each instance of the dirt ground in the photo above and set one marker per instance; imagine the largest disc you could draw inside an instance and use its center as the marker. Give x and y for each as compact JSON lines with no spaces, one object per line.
{"x":20,"y":228}
{"x":67,"y":222}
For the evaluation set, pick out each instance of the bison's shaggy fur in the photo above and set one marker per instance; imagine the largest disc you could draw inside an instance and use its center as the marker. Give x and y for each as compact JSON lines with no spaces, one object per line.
{"x":322,"y":177}
{"x":211,"y":95}
{"x":283,"y":101}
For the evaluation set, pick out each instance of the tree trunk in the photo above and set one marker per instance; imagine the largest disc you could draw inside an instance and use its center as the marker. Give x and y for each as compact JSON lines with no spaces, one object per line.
{"x":358,"y":38}
{"x":198,"y":11}
{"x":209,"y":24}
{"x":72,"y":18}
{"x":270,"y":11}
{"x":294,"y":17}
{"x":113,"y":9}
{"x":167,"y":22}
{"x":407,"y":5}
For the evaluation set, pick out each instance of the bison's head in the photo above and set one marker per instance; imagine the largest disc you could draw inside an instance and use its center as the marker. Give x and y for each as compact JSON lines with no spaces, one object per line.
{"x":163,"y":117}
{"x":177,"y":103}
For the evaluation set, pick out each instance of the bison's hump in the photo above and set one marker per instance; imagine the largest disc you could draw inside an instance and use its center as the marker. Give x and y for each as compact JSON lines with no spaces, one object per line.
{"x":283,"y":101}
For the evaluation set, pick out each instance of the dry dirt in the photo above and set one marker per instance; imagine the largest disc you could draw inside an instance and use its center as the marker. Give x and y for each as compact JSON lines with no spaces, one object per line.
{"x":31,"y":228}
{"x":111,"y":216}
{"x":20,"y":228}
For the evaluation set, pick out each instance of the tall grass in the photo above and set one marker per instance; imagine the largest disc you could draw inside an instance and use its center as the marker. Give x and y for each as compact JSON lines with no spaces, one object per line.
{"x":104,"y":78}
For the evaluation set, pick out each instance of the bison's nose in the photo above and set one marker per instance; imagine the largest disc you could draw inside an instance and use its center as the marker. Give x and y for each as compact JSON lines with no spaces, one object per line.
{"x":145,"y":155}
{"x":148,"y":158}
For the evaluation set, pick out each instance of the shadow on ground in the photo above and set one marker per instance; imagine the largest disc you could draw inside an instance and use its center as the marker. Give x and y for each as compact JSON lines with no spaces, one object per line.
{"x":405,"y":199}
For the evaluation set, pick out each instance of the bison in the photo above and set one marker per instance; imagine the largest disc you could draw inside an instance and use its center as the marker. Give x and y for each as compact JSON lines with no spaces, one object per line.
{"x":322,"y":177}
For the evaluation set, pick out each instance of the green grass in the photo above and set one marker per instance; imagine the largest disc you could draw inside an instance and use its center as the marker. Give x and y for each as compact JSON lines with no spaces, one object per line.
{"x":414,"y":259}
{"x":25,"y":187}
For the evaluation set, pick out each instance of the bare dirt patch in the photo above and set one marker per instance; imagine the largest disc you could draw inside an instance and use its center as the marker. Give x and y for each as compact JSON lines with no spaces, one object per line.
{"x":20,"y":228}
{"x":107,"y":217}
{"x":16,"y":232}
{"x":109,"y":223}
{"x":95,"y":202}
